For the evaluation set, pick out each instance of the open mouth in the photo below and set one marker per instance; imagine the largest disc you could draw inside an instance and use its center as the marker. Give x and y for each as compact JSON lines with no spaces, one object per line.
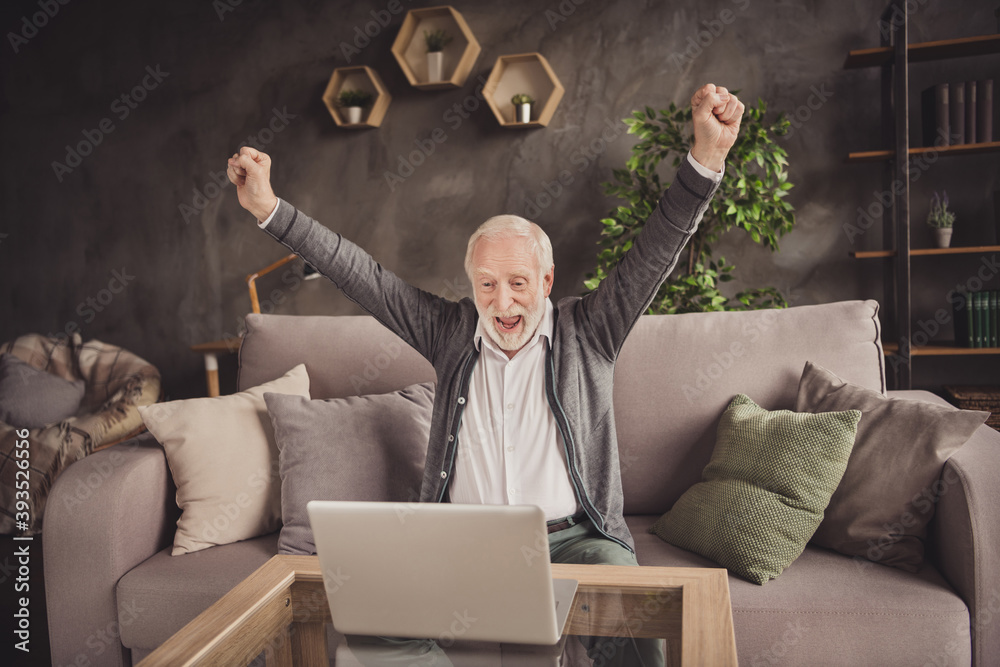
{"x":507,"y":323}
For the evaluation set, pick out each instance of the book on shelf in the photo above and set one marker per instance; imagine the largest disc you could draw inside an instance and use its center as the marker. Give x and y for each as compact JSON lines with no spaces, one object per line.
{"x":962,"y":316}
{"x":986,"y":319}
{"x":970,"y":112}
{"x":994,"y":335}
{"x":984,"y":110}
{"x":956,"y":113}
{"x":934,"y":113}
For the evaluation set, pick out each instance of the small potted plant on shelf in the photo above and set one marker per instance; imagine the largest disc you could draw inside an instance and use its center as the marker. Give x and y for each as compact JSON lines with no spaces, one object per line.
{"x":353,"y":101}
{"x":522,"y":107}
{"x":941,"y":220}
{"x":436,"y":40}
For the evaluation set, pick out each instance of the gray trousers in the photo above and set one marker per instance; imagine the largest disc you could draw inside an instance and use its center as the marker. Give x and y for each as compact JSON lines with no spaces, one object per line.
{"x":581,"y":544}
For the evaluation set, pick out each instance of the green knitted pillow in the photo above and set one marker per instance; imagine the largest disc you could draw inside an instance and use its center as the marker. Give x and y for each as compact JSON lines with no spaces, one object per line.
{"x":764,"y":491}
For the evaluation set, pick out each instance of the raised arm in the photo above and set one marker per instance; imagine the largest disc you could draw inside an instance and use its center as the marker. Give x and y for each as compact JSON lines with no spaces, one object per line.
{"x":612,"y":309}
{"x":412,"y":314}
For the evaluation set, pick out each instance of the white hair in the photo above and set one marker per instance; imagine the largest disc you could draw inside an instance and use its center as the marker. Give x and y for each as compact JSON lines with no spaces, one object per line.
{"x":512,"y":226}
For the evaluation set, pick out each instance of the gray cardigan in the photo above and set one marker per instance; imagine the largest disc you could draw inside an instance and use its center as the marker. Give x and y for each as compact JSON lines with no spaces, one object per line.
{"x":589,"y":333}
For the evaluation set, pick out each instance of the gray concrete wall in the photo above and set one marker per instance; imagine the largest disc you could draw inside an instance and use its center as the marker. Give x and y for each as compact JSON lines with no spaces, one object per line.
{"x":63,"y":236}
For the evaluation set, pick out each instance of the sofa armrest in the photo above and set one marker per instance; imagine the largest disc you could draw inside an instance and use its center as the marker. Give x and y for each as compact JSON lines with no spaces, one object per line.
{"x":965,"y":540}
{"x":105,"y":514}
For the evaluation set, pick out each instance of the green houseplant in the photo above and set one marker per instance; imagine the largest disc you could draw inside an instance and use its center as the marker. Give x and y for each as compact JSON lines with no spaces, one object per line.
{"x":353,"y":101}
{"x":749,"y":199}
{"x":941,"y":220}
{"x":435,"y":40}
{"x":522,"y":107}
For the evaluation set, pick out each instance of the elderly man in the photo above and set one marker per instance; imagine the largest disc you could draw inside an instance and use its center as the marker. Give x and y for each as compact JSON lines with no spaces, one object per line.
{"x":523,"y":405}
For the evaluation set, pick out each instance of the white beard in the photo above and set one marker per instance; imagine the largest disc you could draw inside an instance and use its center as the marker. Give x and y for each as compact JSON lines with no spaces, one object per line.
{"x":512,"y":341}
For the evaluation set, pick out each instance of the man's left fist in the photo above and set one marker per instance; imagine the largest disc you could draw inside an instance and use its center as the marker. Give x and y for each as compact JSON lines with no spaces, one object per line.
{"x":716,"y":113}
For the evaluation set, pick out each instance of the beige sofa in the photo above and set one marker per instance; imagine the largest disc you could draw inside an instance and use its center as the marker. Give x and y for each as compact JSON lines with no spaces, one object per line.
{"x":114,"y":592}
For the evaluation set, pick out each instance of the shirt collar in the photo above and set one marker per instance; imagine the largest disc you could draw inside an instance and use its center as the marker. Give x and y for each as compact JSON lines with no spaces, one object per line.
{"x":544,"y":329}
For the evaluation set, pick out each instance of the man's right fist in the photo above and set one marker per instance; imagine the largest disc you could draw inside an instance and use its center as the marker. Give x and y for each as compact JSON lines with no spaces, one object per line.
{"x":250,"y":170}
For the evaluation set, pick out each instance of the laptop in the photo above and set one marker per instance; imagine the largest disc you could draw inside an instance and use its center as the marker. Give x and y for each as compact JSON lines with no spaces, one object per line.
{"x":440,"y":570}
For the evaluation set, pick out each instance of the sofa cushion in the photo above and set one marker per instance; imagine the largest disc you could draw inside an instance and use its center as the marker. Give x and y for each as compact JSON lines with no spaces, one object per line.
{"x":882,"y":507}
{"x":356,"y":448}
{"x":771,"y":475}
{"x":676,"y":374}
{"x":833,"y":610}
{"x":160,"y":595}
{"x":32,"y":398}
{"x":379,"y":361}
{"x":224,"y":461}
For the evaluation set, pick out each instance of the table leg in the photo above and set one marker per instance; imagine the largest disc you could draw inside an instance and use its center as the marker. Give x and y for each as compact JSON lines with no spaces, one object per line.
{"x":212,"y":373}
{"x":673,"y":653}
{"x":309,"y":644}
{"x":279,"y":653}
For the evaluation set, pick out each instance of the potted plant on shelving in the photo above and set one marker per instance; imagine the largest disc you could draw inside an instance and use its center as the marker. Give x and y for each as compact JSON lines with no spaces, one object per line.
{"x":522,"y":107}
{"x":941,"y":220}
{"x":436,"y":40}
{"x":353,"y":102}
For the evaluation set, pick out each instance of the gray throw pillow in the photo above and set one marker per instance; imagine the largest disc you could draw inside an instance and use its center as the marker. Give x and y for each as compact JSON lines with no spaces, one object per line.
{"x":32,"y":398}
{"x":887,"y":497}
{"x":357,"y":448}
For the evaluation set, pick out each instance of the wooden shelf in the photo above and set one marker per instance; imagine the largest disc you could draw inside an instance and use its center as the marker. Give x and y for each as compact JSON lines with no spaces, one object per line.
{"x":458,"y":56}
{"x":942,"y":151}
{"x":917,"y":53}
{"x":941,"y":350}
{"x":357,"y":78}
{"x":916,"y":252}
{"x":523,"y":73}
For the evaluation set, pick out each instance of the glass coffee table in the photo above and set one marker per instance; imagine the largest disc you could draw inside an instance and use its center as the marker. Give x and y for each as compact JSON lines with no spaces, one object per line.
{"x":281,"y":610}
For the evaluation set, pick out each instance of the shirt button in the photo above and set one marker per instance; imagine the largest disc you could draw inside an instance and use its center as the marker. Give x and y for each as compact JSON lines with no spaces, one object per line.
{"x":450,"y":438}
{"x":510,"y":406}
{"x":511,"y":491}
{"x":444,"y":474}
{"x":461,"y":400}
{"x":510,"y":449}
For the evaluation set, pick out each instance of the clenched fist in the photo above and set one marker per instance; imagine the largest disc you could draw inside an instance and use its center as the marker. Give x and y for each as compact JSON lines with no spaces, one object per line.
{"x":716,"y":113}
{"x":250,"y":171}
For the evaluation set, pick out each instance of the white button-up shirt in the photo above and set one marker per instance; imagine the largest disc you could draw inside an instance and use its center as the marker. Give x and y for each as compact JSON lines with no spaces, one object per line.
{"x":510,"y":451}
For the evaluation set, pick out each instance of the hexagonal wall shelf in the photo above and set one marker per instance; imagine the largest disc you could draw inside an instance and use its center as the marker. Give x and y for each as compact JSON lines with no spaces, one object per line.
{"x":357,"y":78}
{"x":523,"y":73}
{"x":458,"y":56}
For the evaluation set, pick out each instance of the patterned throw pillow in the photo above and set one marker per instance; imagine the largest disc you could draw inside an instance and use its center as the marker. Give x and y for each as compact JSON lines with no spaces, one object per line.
{"x":764,"y":490}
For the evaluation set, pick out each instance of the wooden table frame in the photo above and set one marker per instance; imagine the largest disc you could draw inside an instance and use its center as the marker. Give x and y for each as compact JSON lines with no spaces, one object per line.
{"x":281,"y":609}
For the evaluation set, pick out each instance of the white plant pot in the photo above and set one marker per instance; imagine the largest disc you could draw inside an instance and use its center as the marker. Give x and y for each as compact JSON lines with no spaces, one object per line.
{"x":942,"y":236}
{"x":523,"y":113}
{"x":434,"y":66}
{"x":353,"y":115}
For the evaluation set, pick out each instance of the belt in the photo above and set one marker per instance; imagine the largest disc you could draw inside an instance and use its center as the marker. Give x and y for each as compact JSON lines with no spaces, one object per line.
{"x":562,"y":524}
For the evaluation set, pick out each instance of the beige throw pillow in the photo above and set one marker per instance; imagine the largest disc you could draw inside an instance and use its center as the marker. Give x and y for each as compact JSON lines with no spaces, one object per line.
{"x":223,"y":458}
